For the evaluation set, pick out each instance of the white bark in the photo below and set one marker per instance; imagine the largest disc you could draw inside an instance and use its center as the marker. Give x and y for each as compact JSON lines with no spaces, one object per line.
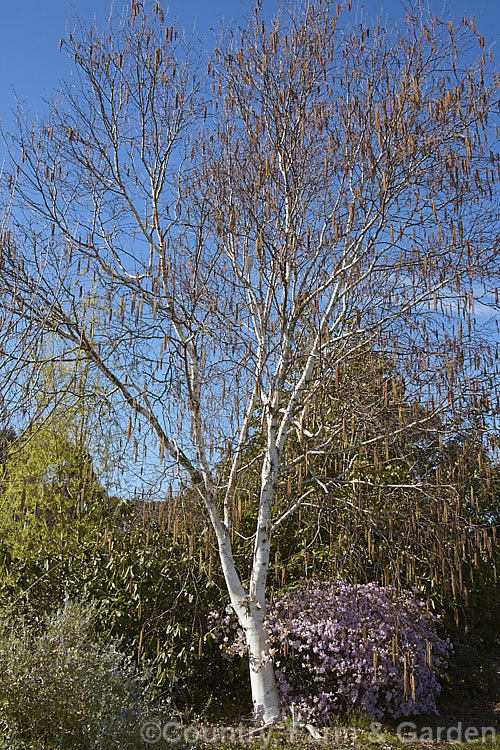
{"x":250,"y":610}
{"x":265,"y":697}
{"x":266,"y":702}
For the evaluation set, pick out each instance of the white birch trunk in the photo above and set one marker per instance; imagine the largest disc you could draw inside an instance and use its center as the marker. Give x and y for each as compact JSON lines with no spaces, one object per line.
{"x":250,"y":606}
{"x":263,"y":682}
{"x":250,"y":613}
{"x":266,"y":702}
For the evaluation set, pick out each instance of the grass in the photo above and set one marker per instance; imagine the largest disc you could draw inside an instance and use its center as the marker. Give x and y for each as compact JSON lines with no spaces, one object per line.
{"x":412,"y":733}
{"x":224,"y":738}
{"x":407,"y":734}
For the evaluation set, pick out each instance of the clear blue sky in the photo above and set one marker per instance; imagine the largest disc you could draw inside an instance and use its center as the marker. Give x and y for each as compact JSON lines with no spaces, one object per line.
{"x":30,"y":30}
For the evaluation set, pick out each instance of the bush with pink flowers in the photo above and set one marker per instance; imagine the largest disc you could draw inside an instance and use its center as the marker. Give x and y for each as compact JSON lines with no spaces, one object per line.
{"x":340,"y":647}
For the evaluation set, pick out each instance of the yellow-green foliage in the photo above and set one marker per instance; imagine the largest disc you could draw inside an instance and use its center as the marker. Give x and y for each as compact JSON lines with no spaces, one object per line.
{"x":48,"y":491}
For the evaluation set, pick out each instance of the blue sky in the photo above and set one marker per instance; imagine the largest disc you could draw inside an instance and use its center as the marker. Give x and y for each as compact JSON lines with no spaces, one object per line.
{"x":30,"y":30}
{"x":31,"y":63}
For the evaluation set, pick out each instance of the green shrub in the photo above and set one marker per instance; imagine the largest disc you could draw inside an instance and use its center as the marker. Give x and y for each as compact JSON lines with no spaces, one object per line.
{"x":152,"y":594}
{"x":64,"y":686}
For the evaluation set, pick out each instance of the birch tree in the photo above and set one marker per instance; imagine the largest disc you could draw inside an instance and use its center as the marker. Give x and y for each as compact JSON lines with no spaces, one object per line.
{"x":217,"y":238}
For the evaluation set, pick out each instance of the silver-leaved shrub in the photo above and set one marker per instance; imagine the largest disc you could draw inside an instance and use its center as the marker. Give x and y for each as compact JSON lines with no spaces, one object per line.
{"x":64,"y":686}
{"x":342,"y":648}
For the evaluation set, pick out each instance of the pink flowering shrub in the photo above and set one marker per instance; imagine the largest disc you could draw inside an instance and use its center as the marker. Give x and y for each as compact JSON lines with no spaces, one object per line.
{"x":340,"y":647}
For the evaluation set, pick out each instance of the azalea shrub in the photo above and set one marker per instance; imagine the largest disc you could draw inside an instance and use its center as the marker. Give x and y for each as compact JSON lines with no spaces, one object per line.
{"x":343,"y":648}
